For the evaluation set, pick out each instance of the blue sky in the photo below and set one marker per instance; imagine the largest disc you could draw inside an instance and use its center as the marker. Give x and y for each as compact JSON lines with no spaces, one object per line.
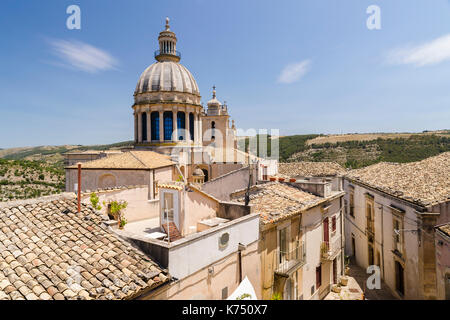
{"x":298,"y":66}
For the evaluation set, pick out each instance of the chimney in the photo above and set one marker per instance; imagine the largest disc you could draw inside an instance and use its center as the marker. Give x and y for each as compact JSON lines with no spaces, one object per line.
{"x":79,"y":187}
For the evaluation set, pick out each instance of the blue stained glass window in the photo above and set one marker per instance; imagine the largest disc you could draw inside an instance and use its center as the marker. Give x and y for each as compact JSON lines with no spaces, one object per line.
{"x":168,"y":125}
{"x":155,"y":125}
{"x":191,"y":125}
{"x":144,"y":126}
{"x":181,"y":125}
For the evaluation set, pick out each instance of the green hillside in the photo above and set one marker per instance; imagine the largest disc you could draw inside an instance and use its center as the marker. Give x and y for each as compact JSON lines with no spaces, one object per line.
{"x":38,"y":171}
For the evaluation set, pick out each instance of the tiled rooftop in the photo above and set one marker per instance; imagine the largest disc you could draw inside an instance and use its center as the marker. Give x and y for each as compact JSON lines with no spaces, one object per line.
{"x":445,"y":228}
{"x":129,"y":160}
{"x":310,"y":169}
{"x":93,"y":152}
{"x":176,"y":185}
{"x":424,"y":182}
{"x":48,"y":251}
{"x":275,"y":201}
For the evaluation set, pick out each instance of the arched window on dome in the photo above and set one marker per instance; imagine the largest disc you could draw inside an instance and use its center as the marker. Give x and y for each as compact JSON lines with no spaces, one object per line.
{"x":155,"y":125}
{"x":181,"y":125}
{"x":144,"y":126}
{"x":191,"y":125}
{"x":168,"y":125}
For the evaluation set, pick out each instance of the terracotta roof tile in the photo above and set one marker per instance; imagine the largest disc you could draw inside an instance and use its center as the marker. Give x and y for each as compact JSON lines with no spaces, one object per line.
{"x":424,"y":182}
{"x":445,"y":228}
{"x":63,"y":260}
{"x":129,"y":160}
{"x":310,"y":169}
{"x":275,"y":201}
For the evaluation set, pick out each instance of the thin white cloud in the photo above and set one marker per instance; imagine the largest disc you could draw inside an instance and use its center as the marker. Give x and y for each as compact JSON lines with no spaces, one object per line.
{"x":426,"y":54}
{"x":82,"y":56}
{"x":294,"y":72}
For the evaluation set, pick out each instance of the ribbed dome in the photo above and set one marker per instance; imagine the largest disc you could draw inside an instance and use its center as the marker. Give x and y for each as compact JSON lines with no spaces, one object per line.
{"x":167,"y":76}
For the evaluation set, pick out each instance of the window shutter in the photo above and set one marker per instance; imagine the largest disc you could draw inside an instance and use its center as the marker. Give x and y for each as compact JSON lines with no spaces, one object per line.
{"x":318,"y":276}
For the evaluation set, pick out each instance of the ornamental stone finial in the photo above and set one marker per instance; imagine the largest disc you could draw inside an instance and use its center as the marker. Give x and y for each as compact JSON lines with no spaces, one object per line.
{"x":214,"y":91}
{"x":167,"y":24}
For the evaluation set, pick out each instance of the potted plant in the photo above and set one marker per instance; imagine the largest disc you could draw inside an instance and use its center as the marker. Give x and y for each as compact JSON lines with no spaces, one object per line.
{"x":281,"y":179}
{"x":344,"y":280}
{"x":347,"y":262}
{"x":292,"y":180}
{"x":95,"y":202}
{"x":122,"y":223}
{"x":115,"y":209}
{"x":336,"y":288}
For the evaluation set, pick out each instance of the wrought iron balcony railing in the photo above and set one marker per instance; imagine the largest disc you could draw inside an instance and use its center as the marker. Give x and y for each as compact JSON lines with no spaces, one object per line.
{"x":328,"y":249}
{"x":288,"y":260}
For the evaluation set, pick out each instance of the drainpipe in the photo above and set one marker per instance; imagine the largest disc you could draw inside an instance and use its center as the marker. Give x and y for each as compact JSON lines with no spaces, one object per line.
{"x":79,"y":187}
{"x":241,"y":247}
{"x":154,"y":185}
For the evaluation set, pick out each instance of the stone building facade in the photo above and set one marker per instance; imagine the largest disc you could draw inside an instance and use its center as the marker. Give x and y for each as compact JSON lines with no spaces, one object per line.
{"x":390,"y":214}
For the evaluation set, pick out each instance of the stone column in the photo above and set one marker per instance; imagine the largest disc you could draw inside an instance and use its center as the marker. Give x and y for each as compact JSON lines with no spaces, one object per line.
{"x":135,"y":127}
{"x":149,"y":126}
{"x":186,"y":119}
{"x":161,"y":126}
{"x":200,"y":130}
{"x":139,"y":126}
{"x":175,"y":125}
{"x":195,"y":128}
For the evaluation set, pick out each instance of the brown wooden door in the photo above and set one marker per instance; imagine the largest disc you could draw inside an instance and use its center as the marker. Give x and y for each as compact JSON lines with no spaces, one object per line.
{"x":334,"y":271}
{"x":326,"y":236}
{"x":318,"y":276}
{"x":400,"y":284}
{"x":371,"y":260}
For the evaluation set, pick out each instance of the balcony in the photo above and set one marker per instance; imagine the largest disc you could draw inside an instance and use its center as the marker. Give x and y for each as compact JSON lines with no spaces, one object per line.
{"x":291,"y":260}
{"x":175,"y":53}
{"x":370,"y":226}
{"x":329,"y":249}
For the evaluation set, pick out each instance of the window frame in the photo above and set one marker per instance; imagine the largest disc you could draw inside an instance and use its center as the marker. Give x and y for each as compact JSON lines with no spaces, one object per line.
{"x":352,"y":203}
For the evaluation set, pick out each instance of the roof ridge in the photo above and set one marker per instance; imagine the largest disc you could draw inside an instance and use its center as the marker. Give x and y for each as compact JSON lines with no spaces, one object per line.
{"x":131,"y":152}
{"x":43,"y":199}
{"x":281,"y":194}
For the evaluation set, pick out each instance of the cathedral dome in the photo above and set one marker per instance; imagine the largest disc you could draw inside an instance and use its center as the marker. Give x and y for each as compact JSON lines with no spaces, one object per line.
{"x":167,"y":76}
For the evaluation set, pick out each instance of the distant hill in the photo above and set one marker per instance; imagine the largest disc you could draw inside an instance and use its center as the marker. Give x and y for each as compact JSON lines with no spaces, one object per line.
{"x":31,"y":172}
{"x":54,"y":153}
{"x":359,"y":150}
